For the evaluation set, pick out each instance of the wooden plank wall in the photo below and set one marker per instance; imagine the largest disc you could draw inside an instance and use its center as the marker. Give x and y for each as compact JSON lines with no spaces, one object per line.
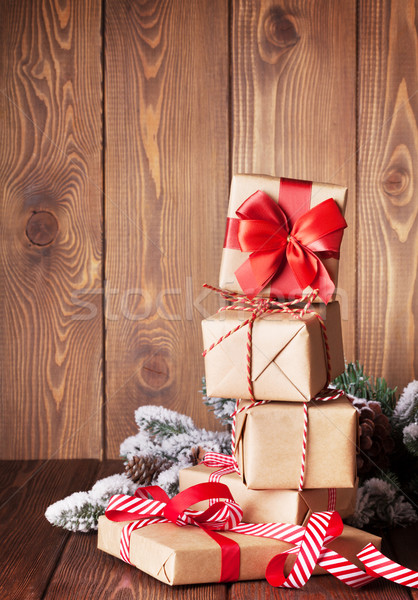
{"x":121,"y":124}
{"x":167,"y":182}
{"x":387,"y":340}
{"x":51,"y":229}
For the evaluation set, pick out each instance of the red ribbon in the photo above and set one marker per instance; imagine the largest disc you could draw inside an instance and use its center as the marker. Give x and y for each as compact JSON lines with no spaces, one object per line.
{"x":141,"y":511}
{"x":283,"y":253}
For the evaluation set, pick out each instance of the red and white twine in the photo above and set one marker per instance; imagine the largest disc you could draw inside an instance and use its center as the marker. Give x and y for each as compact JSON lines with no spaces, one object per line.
{"x":259,"y":307}
{"x":324,"y":396}
{"x":304,"y":437}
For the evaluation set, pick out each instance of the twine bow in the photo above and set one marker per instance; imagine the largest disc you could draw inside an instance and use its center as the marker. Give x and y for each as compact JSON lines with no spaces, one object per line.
{"x":259,"y":307}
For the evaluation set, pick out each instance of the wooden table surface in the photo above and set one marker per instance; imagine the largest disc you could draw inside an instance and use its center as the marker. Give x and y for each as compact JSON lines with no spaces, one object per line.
{"x":41,"y":561}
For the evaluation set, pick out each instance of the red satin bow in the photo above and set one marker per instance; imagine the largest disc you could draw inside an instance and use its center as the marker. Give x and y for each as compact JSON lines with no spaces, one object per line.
{"x":220,"y":516}
{"x":263,"y":231}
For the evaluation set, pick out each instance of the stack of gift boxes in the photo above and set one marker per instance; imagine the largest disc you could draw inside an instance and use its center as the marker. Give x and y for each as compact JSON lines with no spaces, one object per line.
{"x":294,"y":441}
{"x":280,"y":476}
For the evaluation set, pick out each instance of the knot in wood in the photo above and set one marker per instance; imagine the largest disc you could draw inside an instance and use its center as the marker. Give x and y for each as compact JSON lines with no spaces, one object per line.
{"x":395,"y":181}
{"x":279,"y":29}
{"x":155,"y":372}
{"x":42,"y":228}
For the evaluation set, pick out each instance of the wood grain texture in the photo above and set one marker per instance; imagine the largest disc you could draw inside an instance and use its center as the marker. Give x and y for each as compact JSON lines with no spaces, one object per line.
{"x":319,"y":587}
{"x":387,"y":189}
{"x":193,"y":92}
{"x":50,"y":228}
{"x":30,"y":546}
{"x":86,"y":572}
{"x":294,"y":84}
{"x":166,"y":199}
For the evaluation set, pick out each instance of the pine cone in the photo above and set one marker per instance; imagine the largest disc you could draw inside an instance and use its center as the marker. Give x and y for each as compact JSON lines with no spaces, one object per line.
{"x":143,"y":469}
{"x":376,"y":442}
{"x":196,"y":455}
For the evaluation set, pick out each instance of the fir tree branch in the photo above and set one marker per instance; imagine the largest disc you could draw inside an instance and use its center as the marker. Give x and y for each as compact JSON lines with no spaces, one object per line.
{"x":354,"y":381}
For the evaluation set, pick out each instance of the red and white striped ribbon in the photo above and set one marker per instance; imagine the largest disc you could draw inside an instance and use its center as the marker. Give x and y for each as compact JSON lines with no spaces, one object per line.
{"x":379,"y":565}
{"x":224,"y":463}
{"x":233,"y":415}
{"x":309,"y":544}
{"x":332,"y":499}
{"x":218,"y":460}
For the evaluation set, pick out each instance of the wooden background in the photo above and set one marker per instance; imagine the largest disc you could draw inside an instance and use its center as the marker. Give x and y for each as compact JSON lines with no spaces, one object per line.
{"x":122,"y":122}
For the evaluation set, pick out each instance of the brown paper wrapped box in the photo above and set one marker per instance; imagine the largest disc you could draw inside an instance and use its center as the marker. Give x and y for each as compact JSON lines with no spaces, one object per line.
{"x":243,"y":186}
{"x":268,"y":441}
{"x":272,"y":506}
{"x":187,"y":555}
{"x":288,"y":355}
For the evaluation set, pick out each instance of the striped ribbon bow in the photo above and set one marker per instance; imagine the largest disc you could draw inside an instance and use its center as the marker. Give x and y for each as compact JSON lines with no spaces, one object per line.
{"x":152,"y":505}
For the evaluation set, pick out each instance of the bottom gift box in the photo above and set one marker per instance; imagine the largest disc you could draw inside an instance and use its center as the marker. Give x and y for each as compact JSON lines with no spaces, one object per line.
{"x":187,"y":555}
{"x":265,"y":506}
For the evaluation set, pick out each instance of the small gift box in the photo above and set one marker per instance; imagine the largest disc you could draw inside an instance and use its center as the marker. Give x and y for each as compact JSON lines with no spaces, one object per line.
{"x":187,"y":555}
{"x":282,"y":237}
{"x":288,"y":354}
{"x":274,"y":506}
{"x":269,"y":442}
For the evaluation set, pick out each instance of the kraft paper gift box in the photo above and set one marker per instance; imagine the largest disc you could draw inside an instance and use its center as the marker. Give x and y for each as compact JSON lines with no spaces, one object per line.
{"x":272,"y":506}
{"x":268,"y":444}
{"x":288,"y":355}
{"x":187,"y":555}
{"x":295,"y":203}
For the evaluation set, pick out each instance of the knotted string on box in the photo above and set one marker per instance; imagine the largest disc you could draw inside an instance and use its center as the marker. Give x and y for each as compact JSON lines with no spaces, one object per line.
{"x":262,"y":306}
{"x":259,"y":307}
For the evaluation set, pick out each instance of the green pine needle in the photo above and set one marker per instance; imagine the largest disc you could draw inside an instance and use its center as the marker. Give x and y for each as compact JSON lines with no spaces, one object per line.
{"x":391,"y":478}
{"x":164,"y":429}
{"x":354,"y":381}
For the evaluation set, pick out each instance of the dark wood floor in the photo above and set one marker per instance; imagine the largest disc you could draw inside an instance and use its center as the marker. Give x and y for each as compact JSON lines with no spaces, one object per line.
{"x":41,"y":561}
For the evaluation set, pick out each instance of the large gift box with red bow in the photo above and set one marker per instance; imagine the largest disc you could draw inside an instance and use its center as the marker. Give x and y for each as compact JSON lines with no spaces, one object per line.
{"x":282,"y":237}
{"x":270,"y":441}
{"x":188,"y":555}
{"x":275,"y":506}
{"x":289,"y":360}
